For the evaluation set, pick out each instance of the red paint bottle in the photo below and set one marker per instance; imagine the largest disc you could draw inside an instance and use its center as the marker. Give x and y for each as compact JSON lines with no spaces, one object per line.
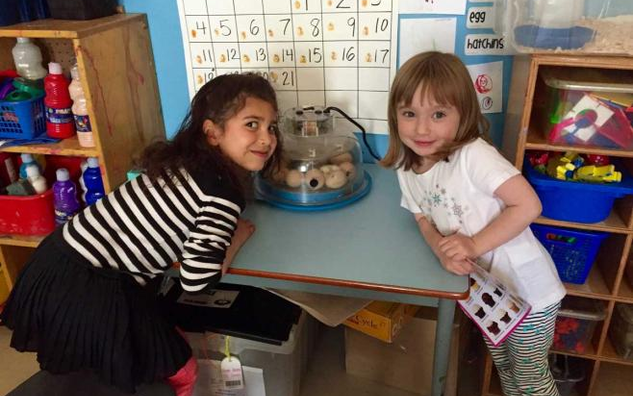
{"x":60,"y":123}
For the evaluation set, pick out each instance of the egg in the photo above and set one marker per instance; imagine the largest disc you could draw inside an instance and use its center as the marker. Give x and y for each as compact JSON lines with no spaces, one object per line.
{"x":314,"y":179}
{"x":349,"y":169}
{"x":294,"y":178}
{"x":279,"y":176}
{"x":335,"y":179}
{"x":339,"y":159}
{"x":328,"y":168}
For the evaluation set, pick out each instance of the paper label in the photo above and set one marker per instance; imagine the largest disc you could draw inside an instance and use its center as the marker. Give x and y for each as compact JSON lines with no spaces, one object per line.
{"x":232,"y":373}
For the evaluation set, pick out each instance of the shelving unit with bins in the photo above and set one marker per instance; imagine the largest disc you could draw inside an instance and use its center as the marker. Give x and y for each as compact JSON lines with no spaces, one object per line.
{"x":116,"y":65}
{"x":605,"y":372}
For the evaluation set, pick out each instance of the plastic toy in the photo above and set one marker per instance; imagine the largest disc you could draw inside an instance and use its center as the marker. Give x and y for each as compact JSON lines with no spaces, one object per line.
{"x":563,"y":167}
{"x":594,"y":173}
{"x":597,"y":159}
{"x":589,"y":114}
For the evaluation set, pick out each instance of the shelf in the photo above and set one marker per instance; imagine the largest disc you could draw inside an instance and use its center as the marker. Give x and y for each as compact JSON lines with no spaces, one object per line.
{"x":66,"y":147}
{"x":582,"y":60}
{"x":589,"y":355}
{"x":613,"y":223}
{"x":21,"y":240}
{"x":594,"y":287}
{"x":495,"y":384}
{"x":536,"y":141}
{"x":613,"y":379}
{"x":610,"y":355}
{"x":625,"y":293}
{"x":65,"y":29}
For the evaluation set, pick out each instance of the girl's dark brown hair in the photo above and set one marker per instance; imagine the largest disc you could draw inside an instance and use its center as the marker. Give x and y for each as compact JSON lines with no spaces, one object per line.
{"x":445,"y":78}
{"x":218,"y":100}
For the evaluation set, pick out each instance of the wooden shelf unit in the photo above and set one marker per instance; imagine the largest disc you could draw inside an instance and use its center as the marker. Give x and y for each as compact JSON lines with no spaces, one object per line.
{"x":607,"y":281}
{"x":116,"y":65}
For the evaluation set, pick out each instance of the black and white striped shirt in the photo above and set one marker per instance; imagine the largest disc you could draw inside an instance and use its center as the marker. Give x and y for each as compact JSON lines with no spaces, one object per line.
{"x":145,"y":226}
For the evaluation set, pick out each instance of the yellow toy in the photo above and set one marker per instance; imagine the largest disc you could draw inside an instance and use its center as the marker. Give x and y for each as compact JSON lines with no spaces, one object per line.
{"x":592,"y":173}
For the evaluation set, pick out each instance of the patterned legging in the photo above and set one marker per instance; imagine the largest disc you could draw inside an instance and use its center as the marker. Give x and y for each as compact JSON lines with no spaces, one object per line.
{"x":521,"y":360}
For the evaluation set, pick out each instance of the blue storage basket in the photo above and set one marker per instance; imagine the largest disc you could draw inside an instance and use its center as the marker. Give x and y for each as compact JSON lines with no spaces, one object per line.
{"x":581,"y":202}
{"x":25,"y":119}
{"x":573,"y":251}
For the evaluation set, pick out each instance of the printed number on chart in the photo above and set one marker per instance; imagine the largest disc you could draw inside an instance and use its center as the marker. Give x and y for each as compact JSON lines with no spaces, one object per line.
{"x":339,"y":4}
{"x":223,"y":29}
{"x":381,"y":25}
{"x":204,"y":77}
{"x":253,"y":29}
{"x":199,"y":30}
{"x":287,"y":55}
{"x":378,"y":56}
{"x":348,"y":54}
{"x":314,"y":29}
{"x":285,"y":78}
{"x":314,"y":56}
{"x":229,"y":55}
{"x":205,"y":56}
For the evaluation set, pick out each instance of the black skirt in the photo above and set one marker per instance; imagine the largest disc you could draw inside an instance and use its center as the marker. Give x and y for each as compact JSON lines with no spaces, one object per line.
{"x":76,"y":316}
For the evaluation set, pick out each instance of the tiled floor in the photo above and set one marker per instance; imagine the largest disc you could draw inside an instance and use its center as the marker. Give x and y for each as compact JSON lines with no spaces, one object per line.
{"x":15,"y":367}
{"x":326,"y":375}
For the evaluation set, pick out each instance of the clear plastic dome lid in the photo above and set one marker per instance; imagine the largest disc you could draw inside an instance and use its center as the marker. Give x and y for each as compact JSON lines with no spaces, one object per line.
{"x":320,"y":166}
{"x":307,"y":121}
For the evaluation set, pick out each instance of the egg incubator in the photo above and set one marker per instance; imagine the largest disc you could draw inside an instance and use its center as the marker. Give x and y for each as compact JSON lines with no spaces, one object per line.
{"x":321,"y":167}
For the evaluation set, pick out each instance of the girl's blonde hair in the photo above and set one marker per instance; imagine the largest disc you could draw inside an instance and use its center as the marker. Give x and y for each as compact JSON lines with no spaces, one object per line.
{"x":444,"y":78}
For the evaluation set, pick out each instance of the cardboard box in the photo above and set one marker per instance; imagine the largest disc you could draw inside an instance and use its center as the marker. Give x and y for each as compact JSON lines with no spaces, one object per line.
{"x":4,"y":288}
{"x":407,"y":363}
{"x":382,"y":320}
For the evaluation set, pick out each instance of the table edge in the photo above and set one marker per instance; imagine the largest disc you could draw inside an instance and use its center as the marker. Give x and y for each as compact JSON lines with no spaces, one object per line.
{"x":350,"y":284}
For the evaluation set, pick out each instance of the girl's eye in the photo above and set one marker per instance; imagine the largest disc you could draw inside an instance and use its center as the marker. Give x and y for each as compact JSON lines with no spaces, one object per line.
{"x":439,"y":115}
{"x":252,"y":124}
{"x":273,"y":129}
{"x":408,"y":114}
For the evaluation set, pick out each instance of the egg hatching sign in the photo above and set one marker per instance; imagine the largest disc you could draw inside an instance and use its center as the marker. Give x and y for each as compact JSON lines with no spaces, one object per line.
{"x":314,"y":52}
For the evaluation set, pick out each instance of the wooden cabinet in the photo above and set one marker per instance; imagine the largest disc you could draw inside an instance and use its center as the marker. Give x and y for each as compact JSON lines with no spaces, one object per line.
{"x":116,"y":65}
{"x":605,"y":372}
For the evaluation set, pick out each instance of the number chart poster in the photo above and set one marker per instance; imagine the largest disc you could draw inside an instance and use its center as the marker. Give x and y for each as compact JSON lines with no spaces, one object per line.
{"x":314,"y":52}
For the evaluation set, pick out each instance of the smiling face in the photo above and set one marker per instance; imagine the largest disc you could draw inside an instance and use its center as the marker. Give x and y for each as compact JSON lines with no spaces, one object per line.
{"x":425,"y":126}
{"x":248,"y":138}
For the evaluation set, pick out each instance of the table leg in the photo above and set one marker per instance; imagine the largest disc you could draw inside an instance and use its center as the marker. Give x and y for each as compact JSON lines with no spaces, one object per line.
{"x":443,"y":334}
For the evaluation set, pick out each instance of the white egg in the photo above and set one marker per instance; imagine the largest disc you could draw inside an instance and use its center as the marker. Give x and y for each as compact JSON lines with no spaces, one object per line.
{"x":349,"y":169}
{"x":280,"y":175}
{"x":314,"y":179}
{"x":339,"y":159}
{"x":294,"y":178}
{"x":335,"y":179}
{"x":328,"y":168}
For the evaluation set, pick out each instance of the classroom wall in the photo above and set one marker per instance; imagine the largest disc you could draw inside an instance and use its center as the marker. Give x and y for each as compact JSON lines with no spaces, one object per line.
{"x":172,"y":75}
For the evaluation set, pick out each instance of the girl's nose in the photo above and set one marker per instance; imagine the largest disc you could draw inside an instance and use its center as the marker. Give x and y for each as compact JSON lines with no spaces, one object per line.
{"x":421,"y":127}
{"x":264,"y":138}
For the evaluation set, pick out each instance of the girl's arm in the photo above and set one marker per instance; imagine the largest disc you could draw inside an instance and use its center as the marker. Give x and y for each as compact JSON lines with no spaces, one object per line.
{"x":244,"y":230}
{"x":433,"y":238}
{"x":522,"y":207}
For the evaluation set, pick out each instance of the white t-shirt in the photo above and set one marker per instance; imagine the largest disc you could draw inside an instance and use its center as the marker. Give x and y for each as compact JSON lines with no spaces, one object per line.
{"x":458,"y":196}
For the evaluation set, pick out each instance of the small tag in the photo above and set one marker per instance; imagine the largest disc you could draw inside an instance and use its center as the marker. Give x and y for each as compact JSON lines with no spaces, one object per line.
{"x":232,"y":373}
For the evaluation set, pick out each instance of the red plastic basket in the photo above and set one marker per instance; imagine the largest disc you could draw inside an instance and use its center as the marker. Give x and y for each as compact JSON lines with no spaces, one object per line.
{"x":32,"y":215}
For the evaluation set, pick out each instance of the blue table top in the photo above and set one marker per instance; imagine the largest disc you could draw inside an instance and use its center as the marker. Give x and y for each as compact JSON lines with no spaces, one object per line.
{"x":372,"y":245}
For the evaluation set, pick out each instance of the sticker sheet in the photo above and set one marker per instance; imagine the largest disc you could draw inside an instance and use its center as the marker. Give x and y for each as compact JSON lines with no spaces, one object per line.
{"x":495,"y":310}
